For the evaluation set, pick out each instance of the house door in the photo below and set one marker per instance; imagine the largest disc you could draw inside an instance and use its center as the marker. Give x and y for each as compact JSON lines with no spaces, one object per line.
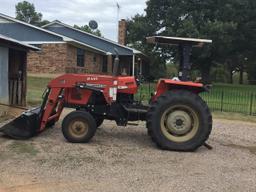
{"x":4,"y":86}
{"x":17,"y":77}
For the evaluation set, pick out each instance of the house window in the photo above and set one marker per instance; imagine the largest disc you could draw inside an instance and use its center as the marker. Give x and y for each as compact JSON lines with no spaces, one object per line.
{"x":104,"y":65}
{"x":80,"y":57}
{"x":94,"y":59}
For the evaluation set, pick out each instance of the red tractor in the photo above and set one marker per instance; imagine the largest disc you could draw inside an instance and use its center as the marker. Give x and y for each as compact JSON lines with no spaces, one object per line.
{"x":177,"y":118}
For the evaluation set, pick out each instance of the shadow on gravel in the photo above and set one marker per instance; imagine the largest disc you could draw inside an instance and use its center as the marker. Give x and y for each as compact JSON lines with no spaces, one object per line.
{"x":125,"y":136}
{"x":252,"y":149}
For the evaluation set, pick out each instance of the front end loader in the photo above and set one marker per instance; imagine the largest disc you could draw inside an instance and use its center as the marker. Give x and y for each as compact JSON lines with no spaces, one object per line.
{"x":176,"y":117}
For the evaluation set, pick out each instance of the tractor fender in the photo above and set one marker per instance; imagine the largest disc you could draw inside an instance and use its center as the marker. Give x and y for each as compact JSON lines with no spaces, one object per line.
{"x":164,"y":85}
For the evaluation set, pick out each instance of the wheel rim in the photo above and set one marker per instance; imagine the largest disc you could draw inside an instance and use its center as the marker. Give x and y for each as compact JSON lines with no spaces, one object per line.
{"x":78,"y":128}
{"x":179,"y":123}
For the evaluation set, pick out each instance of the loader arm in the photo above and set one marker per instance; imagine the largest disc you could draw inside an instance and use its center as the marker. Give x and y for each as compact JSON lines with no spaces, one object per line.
{"x":72,"y":89}
{"x":76,"y":90}
{"x":52,"y":102}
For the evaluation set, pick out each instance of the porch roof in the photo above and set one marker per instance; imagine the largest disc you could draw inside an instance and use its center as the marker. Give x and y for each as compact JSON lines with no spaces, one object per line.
{"x":11,"y":41}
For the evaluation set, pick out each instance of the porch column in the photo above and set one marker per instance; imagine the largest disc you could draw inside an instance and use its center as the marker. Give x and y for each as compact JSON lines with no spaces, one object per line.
{"x":4,"y":77}
{"x":133,"y":65}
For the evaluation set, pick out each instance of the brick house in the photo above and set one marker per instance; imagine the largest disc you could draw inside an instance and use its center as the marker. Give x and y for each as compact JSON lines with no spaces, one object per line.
{"x":64,"y":49}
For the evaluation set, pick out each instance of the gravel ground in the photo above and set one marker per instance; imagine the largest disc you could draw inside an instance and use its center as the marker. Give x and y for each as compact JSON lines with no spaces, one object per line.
{"x":125,"y":159}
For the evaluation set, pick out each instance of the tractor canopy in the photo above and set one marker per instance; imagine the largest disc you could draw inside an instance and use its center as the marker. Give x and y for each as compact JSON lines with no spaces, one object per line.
{"x":178,"y":40}
{"x":185,"y":49}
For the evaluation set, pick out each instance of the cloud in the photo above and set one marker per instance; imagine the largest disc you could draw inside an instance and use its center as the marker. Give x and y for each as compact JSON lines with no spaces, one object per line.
{"x":80,"y":12}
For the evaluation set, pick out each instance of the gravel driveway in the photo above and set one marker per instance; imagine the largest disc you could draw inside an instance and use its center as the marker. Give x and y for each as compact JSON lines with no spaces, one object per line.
{"x":125,"y":159}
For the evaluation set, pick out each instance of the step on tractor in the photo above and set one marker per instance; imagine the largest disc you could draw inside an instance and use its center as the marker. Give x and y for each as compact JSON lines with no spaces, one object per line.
{"x":176,"y":117}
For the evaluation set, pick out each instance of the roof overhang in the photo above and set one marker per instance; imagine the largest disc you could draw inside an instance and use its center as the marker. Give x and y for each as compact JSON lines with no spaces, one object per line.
{"x":177,"y":41}
{"x":85,"y":46}
{"x":134,"y":51}
{"x":65,"y":38}
{"x":33,"y":26}
{"x":18,"y":43}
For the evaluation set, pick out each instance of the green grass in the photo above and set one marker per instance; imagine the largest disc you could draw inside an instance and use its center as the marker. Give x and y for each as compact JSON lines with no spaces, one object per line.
{"x":233,"y":116}
{"x":36,"y":87}
{"x":232,"y":98}
{"x":236,"y":87}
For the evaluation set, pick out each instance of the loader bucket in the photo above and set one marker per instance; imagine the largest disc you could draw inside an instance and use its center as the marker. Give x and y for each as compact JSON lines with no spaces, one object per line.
{"x":24,"y":126}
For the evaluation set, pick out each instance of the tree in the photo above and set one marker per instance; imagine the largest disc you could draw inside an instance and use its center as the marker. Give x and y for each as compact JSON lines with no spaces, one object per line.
{"x":44,"y":22}
{"x":87,"y":29}
{"x":26,"y":12}
{"x":229,"y":23}
{"x":246,"y":38}
{"x":137,"y":31}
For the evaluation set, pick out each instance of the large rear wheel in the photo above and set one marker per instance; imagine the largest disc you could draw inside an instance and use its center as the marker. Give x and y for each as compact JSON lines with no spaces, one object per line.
{"x":179,"y":120}
{"x":79,"y":127}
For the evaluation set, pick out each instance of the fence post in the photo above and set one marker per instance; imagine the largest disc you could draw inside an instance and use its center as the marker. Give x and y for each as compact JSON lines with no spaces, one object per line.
{"x":251,"y":103}
{"x":149,"y":88}
{"x":222,"y":98}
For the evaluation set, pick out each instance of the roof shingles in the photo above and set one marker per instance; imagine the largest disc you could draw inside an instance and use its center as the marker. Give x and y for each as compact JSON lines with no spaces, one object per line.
{"x":91,"y":40}
{"x":56,"y":32}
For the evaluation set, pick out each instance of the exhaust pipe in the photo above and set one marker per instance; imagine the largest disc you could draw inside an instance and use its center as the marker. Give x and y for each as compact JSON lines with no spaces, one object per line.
{"x":116,"y":64}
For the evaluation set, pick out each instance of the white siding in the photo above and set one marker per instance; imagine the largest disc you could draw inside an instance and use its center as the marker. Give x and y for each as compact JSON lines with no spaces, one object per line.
{"x":4,"y":85}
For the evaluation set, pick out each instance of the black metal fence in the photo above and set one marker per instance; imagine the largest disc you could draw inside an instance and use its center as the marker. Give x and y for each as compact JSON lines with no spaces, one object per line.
{"x":231,"y":101}
{"x":218,"y":99}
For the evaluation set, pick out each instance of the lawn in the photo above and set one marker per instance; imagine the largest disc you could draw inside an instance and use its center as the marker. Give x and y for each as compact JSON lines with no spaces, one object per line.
{"x":36,"y":87}
{"x":222,"y":97}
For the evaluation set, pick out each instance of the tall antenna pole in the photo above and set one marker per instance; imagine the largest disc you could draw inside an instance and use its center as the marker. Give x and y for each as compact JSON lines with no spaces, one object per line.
{"x":118,"y":13}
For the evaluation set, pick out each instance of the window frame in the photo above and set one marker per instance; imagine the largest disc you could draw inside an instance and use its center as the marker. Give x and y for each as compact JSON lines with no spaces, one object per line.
{"x":80,"y":57}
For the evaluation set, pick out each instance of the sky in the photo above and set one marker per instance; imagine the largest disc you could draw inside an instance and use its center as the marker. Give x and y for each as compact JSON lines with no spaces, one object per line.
{"x":80,"y":12}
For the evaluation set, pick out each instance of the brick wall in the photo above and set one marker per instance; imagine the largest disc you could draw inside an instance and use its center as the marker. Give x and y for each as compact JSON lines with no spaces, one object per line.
{"x":52,"y":58}
{"x":93,"y":62}
{"x":62,"y":58}
{"x":71,"y":55}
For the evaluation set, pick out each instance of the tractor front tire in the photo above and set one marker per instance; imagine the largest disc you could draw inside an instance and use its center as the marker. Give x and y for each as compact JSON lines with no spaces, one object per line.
{"x":79,"y":127}
{"x":179,"y":120}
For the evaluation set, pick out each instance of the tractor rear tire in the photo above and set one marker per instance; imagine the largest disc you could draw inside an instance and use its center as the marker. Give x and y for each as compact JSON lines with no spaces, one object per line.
{"x":179,"y":120}
{"x":79,"y":127}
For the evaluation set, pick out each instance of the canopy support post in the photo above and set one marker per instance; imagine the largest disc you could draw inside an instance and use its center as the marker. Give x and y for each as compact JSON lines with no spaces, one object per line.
{"x":185,"y":65}
{"x":133,"y":65}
